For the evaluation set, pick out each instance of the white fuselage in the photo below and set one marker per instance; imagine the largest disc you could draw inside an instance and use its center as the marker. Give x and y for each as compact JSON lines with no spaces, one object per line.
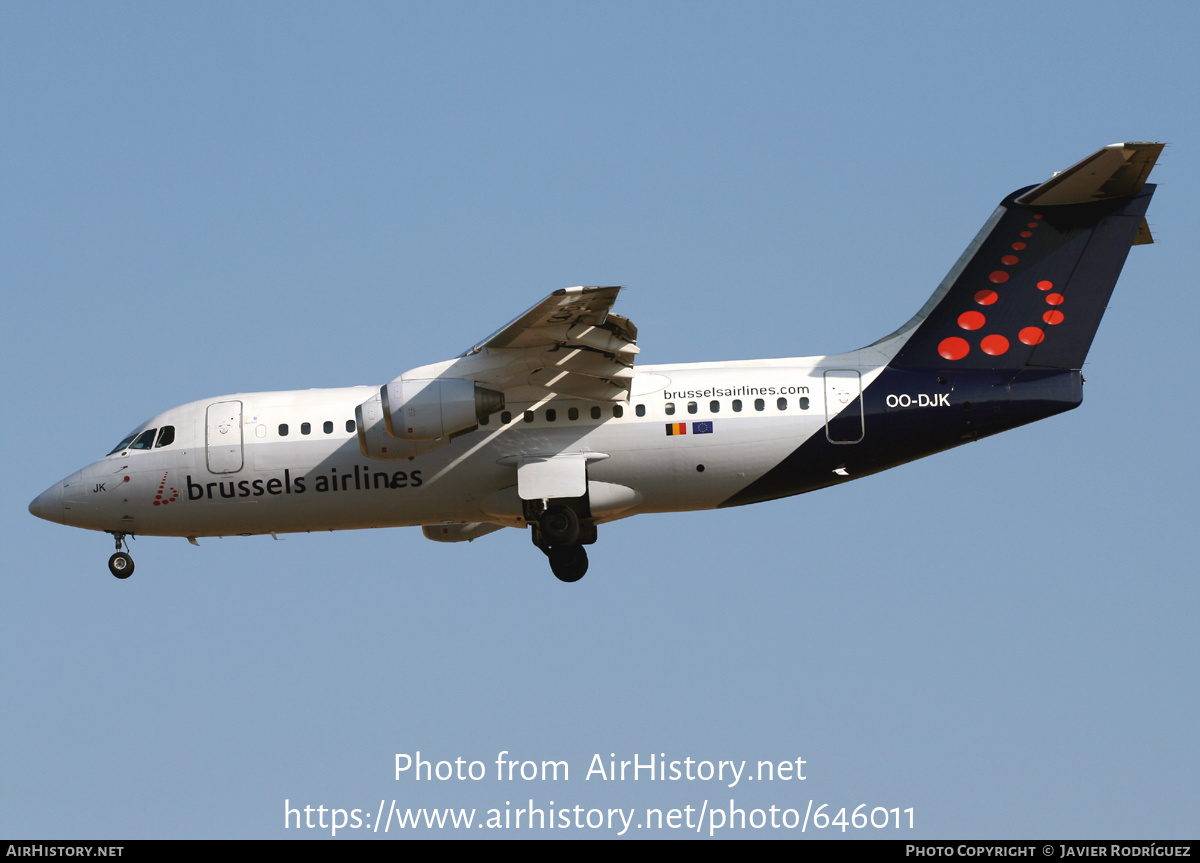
{"x":290,"y":461}
{"x":546,"y":423}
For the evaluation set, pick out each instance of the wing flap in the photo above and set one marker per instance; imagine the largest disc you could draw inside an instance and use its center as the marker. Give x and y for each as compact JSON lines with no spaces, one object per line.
{"x":569,"y":344}
{"x":565,"y":307}
{"x":579,"y":386}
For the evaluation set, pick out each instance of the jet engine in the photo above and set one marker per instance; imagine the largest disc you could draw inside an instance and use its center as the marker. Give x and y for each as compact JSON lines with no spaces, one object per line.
{"x":375,"y":442}
{"x":428,"y":410}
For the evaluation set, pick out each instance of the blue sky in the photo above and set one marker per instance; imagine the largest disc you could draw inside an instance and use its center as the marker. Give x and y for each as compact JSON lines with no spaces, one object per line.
{"x":231,"y":197}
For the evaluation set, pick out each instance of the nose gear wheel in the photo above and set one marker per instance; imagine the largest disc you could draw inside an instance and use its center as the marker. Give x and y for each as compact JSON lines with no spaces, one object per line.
{"x":121,"y":563}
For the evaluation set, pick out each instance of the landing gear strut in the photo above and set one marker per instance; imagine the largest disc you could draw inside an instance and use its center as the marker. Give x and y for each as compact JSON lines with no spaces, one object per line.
{"x":120,"y":564}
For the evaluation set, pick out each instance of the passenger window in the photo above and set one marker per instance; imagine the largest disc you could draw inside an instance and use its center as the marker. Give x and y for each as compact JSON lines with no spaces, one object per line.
{"x":283,"y":429}
{"x":759,"y":404}
{"x":350,"y":425}
{"x":804,"y":403}
{"x":327,"y":427}
{"x":595,"y":412}
{"x":714,"y":406}
{"x":528,"y":416}
{"x":166,"y":437}
{"x":737,"y":406}
{"x":305,"y":428}
{"x":551,"y":415}
{"x":145,"y":440}
{"x":781,"y":404}
{"x":573,"y":414}
{"x":618,"y":411}
{"x":692,"y":408}
{"x":640,"y":410}
{"x":505,"y":417}
{"x":670,"y":408}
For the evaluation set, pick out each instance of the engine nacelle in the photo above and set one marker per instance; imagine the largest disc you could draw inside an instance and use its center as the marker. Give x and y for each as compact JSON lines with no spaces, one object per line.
{"x":428,"y":410}
{"x":375,"y":442}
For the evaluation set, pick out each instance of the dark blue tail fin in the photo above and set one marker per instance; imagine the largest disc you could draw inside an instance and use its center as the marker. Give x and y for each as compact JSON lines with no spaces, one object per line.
{"x":1030,"y":290}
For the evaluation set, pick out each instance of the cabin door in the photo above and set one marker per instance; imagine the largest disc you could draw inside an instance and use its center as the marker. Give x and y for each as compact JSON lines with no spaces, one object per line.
{"x":223,"y":437}
{"x":844,"y":422}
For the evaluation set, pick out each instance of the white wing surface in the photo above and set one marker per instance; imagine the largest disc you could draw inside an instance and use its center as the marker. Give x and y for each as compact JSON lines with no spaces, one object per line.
{"x":569,"y":344}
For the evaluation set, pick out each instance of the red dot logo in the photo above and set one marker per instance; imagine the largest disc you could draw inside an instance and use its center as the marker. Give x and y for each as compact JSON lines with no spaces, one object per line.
{"x":994,"y":345}
{"x":971,"y":320}
{"x":1008,"y":260}
{"x":986,"y":297}
{"x":1055,"y":299}
{"x":1018,"y":246}
{"x":158,"y":498}
{"x":953,"y":348}
{"x":1027,"y":234}
{"x":1053,"y":317}
{"x":1031,"y":224}
{"x":1044,"y":285}
{"x":999,"y":277}
{"x":1031,"y":336}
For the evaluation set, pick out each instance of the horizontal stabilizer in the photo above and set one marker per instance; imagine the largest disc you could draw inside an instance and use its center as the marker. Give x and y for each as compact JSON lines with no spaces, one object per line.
{"x":1117,"y":171}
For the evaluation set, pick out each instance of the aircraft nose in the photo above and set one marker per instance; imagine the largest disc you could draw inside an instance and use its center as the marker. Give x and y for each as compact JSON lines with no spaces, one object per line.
{"x":49,"y":504}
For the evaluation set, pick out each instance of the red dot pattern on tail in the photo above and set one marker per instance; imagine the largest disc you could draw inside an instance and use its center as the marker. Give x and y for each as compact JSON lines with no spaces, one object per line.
{"x":956,"y":348}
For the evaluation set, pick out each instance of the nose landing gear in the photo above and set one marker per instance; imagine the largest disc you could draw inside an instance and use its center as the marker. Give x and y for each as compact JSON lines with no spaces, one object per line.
{"x":121,"y":563}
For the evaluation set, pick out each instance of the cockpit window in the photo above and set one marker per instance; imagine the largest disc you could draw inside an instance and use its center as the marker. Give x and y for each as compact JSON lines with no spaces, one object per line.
{"x":124,"y":443}
{"x":145,"y":440}
{"x":166,"y":437}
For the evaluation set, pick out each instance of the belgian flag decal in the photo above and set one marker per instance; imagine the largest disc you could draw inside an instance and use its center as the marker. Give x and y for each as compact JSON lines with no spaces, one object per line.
{"x":676,"y":428}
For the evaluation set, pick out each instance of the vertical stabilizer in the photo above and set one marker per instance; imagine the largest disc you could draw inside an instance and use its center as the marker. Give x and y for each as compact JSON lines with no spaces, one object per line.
{"x":1033,"y":288}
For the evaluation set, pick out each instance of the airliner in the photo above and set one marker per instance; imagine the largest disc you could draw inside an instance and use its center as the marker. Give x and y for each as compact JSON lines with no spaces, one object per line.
{"x":547,"y":425}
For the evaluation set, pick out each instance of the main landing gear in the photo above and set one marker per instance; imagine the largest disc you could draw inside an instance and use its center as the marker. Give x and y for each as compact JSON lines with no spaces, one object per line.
{"x":121,"y":563}
{"x":568,"y":563}
{"x":560,"y":534}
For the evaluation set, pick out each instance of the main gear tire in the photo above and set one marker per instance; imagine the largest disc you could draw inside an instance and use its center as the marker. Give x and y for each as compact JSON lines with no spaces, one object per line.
{"x":569,"y":563}
{"x":559,"y":526}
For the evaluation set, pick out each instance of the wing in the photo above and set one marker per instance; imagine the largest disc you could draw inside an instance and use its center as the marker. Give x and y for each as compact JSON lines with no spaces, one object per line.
{"x":569,"y":344}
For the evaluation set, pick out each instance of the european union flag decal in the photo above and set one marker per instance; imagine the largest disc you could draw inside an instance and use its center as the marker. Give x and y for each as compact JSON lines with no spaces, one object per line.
{"x":702,"y":428}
